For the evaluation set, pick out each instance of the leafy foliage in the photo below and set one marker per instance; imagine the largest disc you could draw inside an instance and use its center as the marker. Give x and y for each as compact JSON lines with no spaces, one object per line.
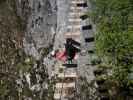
{"x":114,"y":38}
{"x":15,"y":64}
{"x":112,"y":15}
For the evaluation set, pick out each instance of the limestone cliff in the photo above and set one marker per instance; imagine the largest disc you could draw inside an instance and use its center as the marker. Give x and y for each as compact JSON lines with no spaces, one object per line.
{"x":40,"y":21}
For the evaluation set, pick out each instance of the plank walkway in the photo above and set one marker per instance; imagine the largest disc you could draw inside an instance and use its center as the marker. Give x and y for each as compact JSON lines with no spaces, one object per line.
{"x":66,"y":85}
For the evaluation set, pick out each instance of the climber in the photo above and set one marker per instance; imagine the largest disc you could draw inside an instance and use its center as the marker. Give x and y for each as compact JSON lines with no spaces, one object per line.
{"x":72,"y":47}
{"x":69,"y":53}
{"x":60,"y":55}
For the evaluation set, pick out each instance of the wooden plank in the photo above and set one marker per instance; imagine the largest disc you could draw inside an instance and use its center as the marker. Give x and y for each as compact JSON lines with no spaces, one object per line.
{"x":74,"y":26}
{"x":75,"y":23}
{"x":72,"y":33}
{"x":76,"y":13}
{"x":67,"y":75}
{"x":75,"y":2}
{"x":77,"y":8}
{"x":65,"y":85}
{"x":74,"y":20}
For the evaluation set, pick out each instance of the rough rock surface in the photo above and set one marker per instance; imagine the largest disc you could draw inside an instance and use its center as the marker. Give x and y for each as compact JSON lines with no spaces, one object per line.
{"x":46,"y":22}
{"x":40,"y":19}
{"x":62,"y":22}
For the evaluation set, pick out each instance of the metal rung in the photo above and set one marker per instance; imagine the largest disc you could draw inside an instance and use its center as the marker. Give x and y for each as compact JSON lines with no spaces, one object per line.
{"x":89,"y":39}
{"x":83,"y":17}
{"x":70,"y":65}
{"x":91,"y":51}
{"x":82,"y":5}
{"x":87,"y":27}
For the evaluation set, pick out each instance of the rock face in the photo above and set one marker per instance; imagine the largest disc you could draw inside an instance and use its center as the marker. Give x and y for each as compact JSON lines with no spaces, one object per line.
{"x":40,"y":19}
{"x":43,"y":19}
{"x":21,"y":76}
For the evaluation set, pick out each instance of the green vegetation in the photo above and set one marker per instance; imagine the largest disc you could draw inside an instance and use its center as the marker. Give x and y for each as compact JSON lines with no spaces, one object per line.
{"x":114,"y":37}
{"x":87,"y":91}
{"x":15,"y":64}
